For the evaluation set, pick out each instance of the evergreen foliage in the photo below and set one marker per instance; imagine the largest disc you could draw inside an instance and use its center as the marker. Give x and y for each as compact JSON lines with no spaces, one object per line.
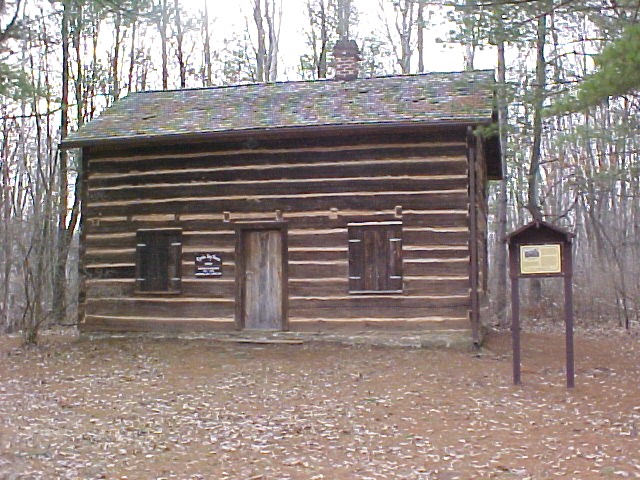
{"x":617,"y":73}
{"x":14,"y":83}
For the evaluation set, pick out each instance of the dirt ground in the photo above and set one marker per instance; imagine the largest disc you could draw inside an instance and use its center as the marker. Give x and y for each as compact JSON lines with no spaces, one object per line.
{"x":150,"y":409}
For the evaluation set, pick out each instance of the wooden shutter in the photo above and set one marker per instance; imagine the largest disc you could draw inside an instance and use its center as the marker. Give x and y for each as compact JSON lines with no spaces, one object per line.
{"x":375,"y":258}
{"x":158,"y":259}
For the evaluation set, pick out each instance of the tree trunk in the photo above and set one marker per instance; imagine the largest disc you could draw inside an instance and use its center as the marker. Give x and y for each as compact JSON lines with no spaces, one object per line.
{"x":501,"y":250}
{"x":261,"y":50}
{"x":266,"y":50}
{"x":163,"y":22}
{"x":115,"y":61}
{"x":405,"y":29}
{"x":207,"y":75}
{"x":420,"y":34}
{"x":533,"y":176}
{"x":5,"y":225}
{"x":533,"y":202}
{"x":273,"y":29}
{"x":324,"y":42}
{"x":132,"y":55}
{"x":179,"y":45}
{"x":79,"y":82}
{"x":60,"y":264}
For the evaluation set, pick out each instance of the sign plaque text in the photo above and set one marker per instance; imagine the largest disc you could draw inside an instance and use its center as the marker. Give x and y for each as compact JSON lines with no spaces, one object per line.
{"x":540,"y":259}
{"x":208,"y":265}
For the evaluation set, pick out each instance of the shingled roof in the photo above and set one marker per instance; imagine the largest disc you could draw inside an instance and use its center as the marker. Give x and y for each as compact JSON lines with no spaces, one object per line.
{"x":459,"y":97}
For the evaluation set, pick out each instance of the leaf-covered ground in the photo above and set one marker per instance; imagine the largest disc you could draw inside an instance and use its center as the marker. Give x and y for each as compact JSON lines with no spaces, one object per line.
{"x":150,"y":409}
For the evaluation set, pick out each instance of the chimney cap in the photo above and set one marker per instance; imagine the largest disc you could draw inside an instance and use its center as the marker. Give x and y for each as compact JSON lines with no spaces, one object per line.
{"x":346,"y":48}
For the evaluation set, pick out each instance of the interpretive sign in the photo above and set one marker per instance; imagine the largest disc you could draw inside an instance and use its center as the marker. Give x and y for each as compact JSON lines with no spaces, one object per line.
{"x":208,"y":265}
{"x":540,"y":250}
{"x":540,"y":259}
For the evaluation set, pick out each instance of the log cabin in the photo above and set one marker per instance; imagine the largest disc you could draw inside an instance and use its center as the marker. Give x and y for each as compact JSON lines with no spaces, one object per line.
{"x":349,"y":203}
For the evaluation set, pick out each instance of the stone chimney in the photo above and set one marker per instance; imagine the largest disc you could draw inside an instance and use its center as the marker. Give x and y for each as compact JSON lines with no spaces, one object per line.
{"x":346,"y":58}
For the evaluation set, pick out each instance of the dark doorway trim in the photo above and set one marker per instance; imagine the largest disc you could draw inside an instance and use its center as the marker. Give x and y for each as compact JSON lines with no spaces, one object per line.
{"x":241,"y":228}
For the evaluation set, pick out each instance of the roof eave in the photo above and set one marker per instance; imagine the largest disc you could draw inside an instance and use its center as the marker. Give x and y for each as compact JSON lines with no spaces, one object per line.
{"x":194,"y":137}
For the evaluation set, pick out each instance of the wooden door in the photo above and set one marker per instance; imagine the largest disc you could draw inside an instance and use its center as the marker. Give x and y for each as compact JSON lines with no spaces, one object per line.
{"x":262,"y":280}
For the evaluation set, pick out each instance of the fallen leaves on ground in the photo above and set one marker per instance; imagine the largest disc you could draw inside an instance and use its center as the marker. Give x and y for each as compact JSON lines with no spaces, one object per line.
{"x":138,"y":408}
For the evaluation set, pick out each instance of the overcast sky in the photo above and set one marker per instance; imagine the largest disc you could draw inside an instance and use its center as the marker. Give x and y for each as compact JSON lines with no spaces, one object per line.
{"x":438,"y":56}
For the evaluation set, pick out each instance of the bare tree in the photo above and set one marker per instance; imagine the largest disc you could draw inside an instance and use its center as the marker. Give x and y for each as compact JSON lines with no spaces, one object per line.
{"x":182,"y":67}
{"x":500,"y":268}
{"x":206,"y":48}
{"x":60,"y":276}
{"x":421,"y":24}
{"x":322,"y":23}
{"x":162,"y":18}
{"x":403,"y":26}
{"x":539,"y":88}
{"x":267,"y":17}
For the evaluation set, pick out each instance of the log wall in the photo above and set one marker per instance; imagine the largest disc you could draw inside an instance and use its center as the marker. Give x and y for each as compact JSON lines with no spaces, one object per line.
{"x":318,"y":186}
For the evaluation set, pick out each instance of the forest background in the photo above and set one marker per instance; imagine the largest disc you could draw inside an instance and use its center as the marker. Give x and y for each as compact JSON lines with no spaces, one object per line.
{"x":566,"y":70}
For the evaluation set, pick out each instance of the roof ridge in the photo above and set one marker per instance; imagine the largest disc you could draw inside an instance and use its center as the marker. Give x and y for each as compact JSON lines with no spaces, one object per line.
{"x":312,"y":81}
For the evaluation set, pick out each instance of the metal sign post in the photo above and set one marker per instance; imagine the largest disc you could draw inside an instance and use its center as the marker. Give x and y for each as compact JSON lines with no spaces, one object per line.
{"x":539,"y":249}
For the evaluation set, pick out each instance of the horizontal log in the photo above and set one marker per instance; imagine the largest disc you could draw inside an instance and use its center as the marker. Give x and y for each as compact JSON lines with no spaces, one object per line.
{"x":111,"y":323}
{"x":437,"y":287}
{"x":312,"y":255}
{"x":185,"y":173}
{"x":204,"y":158}
{"x":440,"y":200}
{"x":99,"y":258}
{"x":301,"y":188}
{"x":378,"y":301}
{"x":125,"y":227}
{"x":431,"y":269}
{"x":119,"y":235}
{"x":298,"y":138}
{"x":122,"y":233}
{"x":311,"y":270}
{"x":435,"y":237}
{"x":352,"y":325}
{"x":203,"y":287}
{"x":120,"y":271}
{"x":224,"y":287}
{"x":96,"y":288}
{"x":419,"y":217}
{"x":340,"y":287}
{"x":179,"y":199}
{"x":297,"y":254}
{"x":339,"y":238}
{"x":161,"y":307}
{"x":385,"y":312}
{"x":434,"y":253}
{"x":299,"y":324}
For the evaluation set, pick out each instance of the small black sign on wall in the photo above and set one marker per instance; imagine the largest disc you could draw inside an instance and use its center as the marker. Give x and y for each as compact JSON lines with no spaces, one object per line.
{"x":208,"y":264}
